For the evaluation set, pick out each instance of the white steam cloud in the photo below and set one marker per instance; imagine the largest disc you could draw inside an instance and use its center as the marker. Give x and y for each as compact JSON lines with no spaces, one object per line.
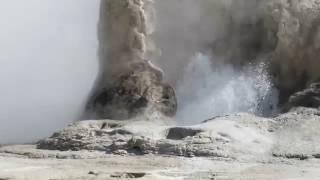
{"x":212,"y":89}
{"x":48,"y":65}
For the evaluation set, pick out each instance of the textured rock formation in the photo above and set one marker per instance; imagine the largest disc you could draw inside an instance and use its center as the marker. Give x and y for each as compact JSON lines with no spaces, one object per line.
{"x":239,"y":137}
{"x":129,"y":83}
{"x":309,"y":97}
{"x":223,"y":137}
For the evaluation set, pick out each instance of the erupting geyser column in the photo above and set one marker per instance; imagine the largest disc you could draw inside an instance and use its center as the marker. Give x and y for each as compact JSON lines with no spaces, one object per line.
{"x":129,"y":83}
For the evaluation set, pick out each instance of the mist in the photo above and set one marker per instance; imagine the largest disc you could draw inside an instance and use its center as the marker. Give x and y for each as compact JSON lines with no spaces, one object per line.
{"x":208,"y":53}
{"x":184,"y":28}
{"x":48,"y":64}
{"x":210,"y":88}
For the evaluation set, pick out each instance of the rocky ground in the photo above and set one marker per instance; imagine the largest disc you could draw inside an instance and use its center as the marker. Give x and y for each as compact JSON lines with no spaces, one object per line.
{"x":238,"y":146}
{"x":153,"y":167}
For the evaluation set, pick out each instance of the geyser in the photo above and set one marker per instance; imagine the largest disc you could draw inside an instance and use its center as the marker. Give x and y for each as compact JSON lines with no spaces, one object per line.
{"x":216,"y":55}
{"x":48,"y":65}
{"x":284,"y":35}
{"x":48,"y":59}
{"x":209,"y":89}
{"x":129,"y":83}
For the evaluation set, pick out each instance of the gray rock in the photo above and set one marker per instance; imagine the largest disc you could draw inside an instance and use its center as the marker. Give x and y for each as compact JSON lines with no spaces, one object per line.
{"x":239,"y":136}
{"x":224,"y":137}
{"x":309,"y":97}
{"x":133,"y":93}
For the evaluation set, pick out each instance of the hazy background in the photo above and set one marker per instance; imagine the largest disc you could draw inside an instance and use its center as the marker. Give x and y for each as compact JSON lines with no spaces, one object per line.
{"x":47,"y":65}
{"x":48,"y":62}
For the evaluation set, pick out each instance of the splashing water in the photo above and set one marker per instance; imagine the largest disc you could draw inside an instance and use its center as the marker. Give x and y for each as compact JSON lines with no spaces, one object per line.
{"x":208,"y":90}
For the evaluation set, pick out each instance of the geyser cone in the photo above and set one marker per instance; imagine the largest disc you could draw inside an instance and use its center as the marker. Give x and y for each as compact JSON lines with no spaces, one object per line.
{"x":129,"y":83}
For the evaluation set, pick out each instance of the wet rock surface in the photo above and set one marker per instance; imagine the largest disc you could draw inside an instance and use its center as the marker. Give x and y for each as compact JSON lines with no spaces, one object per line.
{"x":309,"y":97}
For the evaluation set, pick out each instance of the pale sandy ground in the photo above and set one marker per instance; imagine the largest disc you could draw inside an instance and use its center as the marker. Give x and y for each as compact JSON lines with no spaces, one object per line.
{"x":13,"y":166}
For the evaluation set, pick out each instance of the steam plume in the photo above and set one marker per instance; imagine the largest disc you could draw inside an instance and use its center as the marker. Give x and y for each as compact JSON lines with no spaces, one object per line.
{"x":47,"y":64}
